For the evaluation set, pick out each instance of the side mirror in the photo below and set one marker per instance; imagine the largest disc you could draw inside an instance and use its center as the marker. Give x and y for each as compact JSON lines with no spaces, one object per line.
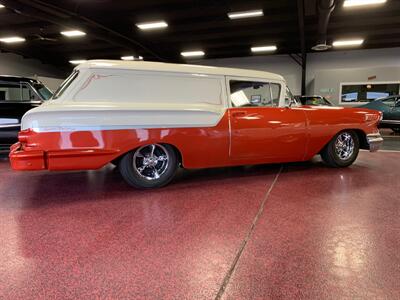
{"x":289,"y":105}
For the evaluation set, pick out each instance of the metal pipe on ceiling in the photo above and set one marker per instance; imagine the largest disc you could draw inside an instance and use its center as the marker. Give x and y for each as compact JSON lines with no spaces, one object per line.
{"x":324,"y":10}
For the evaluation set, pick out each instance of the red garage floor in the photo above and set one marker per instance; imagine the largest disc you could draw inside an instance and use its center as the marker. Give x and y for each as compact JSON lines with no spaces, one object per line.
{"x":322,"y":234}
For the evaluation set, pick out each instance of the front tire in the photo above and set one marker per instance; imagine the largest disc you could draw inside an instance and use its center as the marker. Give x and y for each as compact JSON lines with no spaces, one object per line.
{"x":342,"y":150}
{"x":150,"y":166}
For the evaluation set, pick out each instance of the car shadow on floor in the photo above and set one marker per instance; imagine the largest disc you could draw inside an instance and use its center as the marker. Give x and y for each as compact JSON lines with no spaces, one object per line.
{"x":43,"y":188}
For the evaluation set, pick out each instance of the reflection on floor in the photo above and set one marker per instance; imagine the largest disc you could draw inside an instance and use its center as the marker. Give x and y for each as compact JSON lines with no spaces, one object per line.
{"x":323,"y":233}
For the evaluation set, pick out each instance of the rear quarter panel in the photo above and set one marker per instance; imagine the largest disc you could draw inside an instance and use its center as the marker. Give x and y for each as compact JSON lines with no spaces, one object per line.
{"x":325,"y":122}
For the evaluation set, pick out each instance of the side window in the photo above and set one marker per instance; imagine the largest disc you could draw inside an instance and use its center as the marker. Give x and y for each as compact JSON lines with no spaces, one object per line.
{"x":27,"y":94}
{"x":275,"y":93}
{"x":10,"y":91}
{"x":390,"y":101}
{"x":250,"y":93}
{"x":16,"y":91}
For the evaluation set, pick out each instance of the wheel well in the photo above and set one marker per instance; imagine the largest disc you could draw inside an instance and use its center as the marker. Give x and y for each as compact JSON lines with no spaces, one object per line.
{"x":362,"y":138}
{"x":177,"y":152}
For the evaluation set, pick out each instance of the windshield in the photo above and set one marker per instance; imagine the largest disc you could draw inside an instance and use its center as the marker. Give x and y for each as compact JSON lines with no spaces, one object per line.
{"x":43,"y":91}
{"x":289,"y":98}
{"x":315,"y":100}
{"x":65,"y":84}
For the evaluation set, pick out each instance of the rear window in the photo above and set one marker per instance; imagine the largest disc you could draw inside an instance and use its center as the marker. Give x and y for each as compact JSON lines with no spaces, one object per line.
{"x":67,"y":82}
{"x":43,"y":91}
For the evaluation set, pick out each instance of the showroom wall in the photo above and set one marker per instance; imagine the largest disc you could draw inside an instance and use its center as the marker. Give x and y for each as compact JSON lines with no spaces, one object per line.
{"x":12,"y":64}
{"x":326,"y":70}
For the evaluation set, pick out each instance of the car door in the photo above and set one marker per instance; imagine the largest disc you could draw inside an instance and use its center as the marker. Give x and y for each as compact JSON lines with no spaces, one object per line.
{"x":260,"y":128}
{"x":395,"y":110}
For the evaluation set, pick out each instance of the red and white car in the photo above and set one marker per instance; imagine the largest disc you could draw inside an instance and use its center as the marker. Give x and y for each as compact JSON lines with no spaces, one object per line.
{"x":150,"y":118}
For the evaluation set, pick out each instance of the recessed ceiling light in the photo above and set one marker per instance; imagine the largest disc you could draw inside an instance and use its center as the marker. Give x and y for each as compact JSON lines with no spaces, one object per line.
{"x":193,"y":53}
{"x":12,"y":39}
{"x":246,"y":14}
{"x":353,"y":3}
{"x":152,"y":25}
{"x":347,"y":43}
{"x":127,"y":57}
{"x":2,"y":6}
{"x":78,"y":61}
{"x":263,"y":49}
{"x":73,"y":33}
{"x":131,"y":57}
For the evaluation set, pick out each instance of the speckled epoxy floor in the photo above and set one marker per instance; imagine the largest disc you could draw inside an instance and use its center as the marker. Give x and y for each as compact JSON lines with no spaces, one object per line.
{"x":262,"y":232}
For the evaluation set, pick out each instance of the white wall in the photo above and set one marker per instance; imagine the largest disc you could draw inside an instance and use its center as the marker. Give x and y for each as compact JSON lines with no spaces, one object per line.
{"x":325,"y":70}
{"x":12,"y":64}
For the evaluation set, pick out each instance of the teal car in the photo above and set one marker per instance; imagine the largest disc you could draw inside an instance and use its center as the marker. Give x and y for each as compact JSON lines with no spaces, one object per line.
{"x":390,"y":107}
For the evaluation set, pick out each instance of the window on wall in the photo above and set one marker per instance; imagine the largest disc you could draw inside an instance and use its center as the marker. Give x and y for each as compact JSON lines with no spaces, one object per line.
{"x":366,"y":92}
{"x":252,"y":93}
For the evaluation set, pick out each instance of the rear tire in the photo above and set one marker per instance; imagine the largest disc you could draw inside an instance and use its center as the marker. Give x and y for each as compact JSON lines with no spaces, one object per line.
{"x":342,"y":150}
{"x":150,"y":166}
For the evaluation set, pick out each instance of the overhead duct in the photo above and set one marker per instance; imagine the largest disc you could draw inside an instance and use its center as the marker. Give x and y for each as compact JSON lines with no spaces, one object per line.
{"x":324,"y":9}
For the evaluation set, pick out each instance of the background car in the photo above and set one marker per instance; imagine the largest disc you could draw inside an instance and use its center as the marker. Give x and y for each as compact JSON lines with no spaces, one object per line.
{"x":17,"y":96}
{"x":313,"y":100}
{"x":390,"y":107}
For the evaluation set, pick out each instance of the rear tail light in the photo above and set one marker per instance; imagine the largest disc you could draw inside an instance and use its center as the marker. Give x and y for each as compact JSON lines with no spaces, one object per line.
{"x":23,"y":135}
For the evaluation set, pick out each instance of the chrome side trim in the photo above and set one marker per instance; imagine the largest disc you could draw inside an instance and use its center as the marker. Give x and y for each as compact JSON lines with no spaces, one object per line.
{"x":390,"y":122}
{"x":10,"y":125}
{"x":375,"y":141}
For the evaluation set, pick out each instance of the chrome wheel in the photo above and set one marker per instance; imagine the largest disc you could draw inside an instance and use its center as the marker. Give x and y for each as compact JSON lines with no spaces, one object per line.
{"x":151,"y":161}
{"x":344,"y":146}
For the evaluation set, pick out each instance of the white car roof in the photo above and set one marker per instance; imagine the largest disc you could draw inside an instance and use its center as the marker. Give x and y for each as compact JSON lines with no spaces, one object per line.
{"x":179,"y":68}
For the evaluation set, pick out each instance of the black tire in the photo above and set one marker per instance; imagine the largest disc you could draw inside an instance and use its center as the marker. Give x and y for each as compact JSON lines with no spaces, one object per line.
{"x":136,"y":173}
{"x":339,"y":158}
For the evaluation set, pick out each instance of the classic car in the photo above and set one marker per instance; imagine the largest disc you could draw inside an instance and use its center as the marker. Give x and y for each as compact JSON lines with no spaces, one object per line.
{"x":313,"y":100}
{"x":150,"y":118}
{"x":390,"y":107}
{"x":17,"y":96}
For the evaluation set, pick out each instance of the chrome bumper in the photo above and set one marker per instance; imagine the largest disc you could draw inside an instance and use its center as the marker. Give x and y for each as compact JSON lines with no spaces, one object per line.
{"x":375,"y":141}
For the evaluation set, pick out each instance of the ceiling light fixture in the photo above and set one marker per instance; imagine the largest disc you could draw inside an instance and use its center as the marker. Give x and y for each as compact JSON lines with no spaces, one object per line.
{"x":347,"y":43}
{"x":131,"y":57}
{"x":196,"y":53}
{"x":12,"y":39}
{"x":73,"y":33}
{"x":246,"y":14}
{"x":127,"y":57}
{"x":152,"y":25}
{"x":2,"y":6}
{"x":263,"y":49}
{"x":78,"y":61}
{"x":354,"y":3}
